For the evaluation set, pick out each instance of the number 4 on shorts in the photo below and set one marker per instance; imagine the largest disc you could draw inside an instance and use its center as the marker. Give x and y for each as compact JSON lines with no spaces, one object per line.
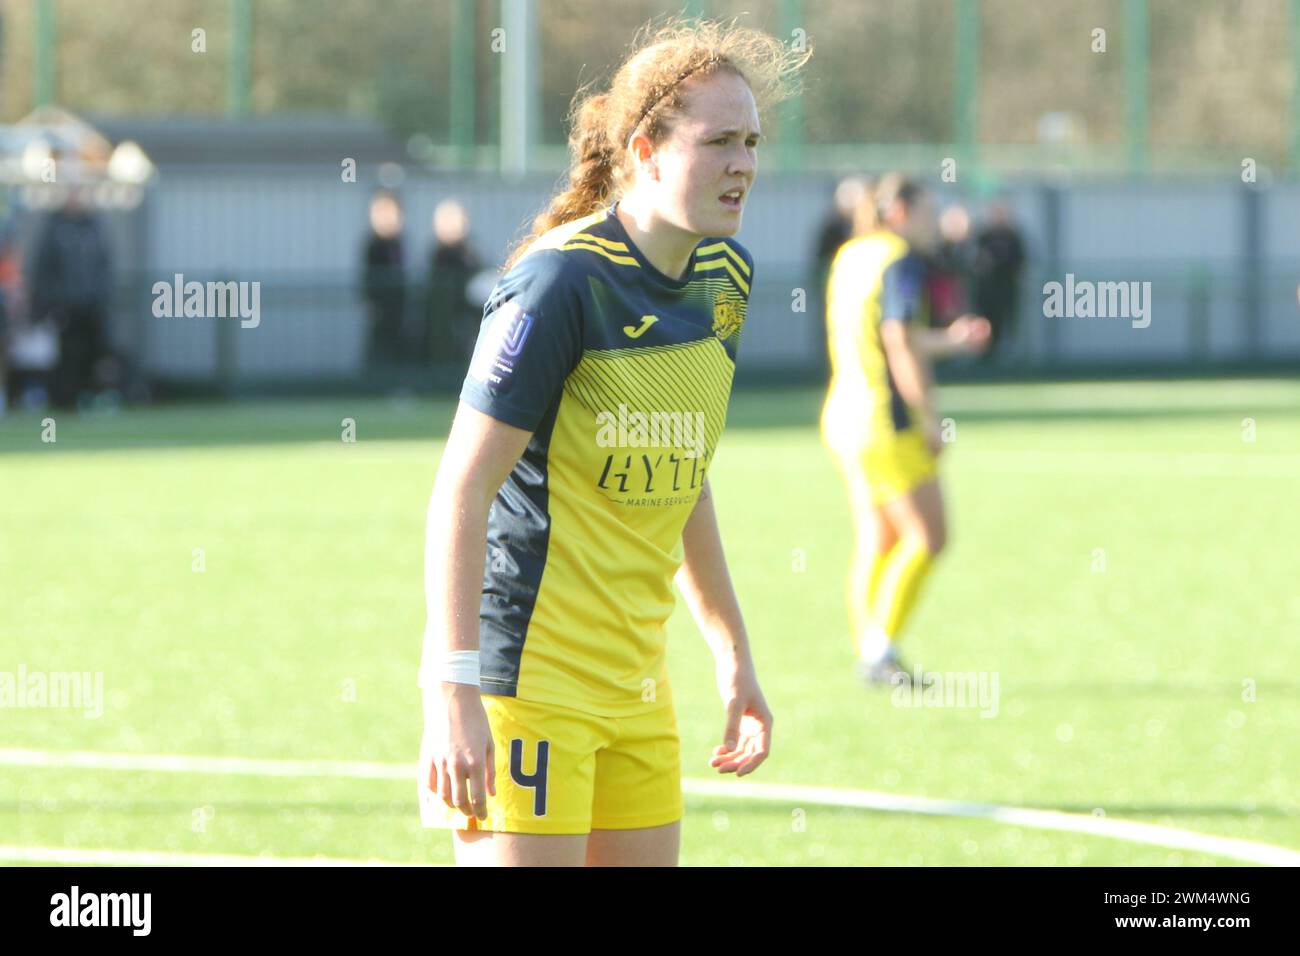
{"x":536,"y":779}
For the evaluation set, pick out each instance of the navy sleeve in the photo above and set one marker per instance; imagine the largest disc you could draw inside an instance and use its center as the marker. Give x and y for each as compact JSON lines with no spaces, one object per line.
{"x":903,"y":288}
{"x":529,"y":342}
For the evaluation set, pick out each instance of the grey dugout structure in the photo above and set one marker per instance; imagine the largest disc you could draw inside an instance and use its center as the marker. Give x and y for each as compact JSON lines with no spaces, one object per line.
{"x":1222,"y":260}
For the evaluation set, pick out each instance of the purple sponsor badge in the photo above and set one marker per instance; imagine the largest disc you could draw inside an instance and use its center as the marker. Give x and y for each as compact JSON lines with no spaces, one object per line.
{"x":494,"y":361}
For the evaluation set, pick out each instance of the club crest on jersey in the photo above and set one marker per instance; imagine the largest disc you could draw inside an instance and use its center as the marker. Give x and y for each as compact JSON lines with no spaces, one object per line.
{"x":494,"y":358}
{"x":727,"y":316}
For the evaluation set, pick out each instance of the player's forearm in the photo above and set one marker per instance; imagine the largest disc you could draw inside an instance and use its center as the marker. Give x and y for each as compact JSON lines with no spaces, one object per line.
{"x":706,"y":585}
{"x":938,"y":343}
{"x":455,"y":550}
{"x":911,"y":372}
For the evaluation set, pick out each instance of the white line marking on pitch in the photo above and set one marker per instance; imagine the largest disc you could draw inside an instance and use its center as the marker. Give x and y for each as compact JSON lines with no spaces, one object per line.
{"x":1149,"y":833}
{"x":59,"y":855}
{"x":1153,"y":834}
{"x":183,"y":763}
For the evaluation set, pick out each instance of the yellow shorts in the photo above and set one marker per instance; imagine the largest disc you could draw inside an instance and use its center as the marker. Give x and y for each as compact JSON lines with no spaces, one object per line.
{"x":896,"y":463}
{"x":869,"y":451}
{"x":888,"y":463}
{"x":560,"y":770}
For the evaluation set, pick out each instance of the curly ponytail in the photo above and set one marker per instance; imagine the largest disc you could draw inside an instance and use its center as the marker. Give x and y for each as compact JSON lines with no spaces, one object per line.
{"x":591,"y":177}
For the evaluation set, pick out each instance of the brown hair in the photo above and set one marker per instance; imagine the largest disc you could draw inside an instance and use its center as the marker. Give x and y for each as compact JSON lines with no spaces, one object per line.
{"x":647,"y":92}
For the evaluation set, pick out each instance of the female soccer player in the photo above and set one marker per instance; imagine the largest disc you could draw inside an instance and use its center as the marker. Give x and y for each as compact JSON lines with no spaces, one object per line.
{"x":572,"y":491}
{"x":879,"y":420}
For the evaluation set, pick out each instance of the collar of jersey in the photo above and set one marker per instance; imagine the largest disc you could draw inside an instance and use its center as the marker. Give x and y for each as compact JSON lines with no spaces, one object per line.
{"x":651,"y":271}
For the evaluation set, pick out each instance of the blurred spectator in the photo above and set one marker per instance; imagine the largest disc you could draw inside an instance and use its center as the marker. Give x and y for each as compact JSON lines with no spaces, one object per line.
{"x":384,"y":280}
{"x":999,"y":259}
{"x":72,"y":285}
{"x":866,"y":215}
{"x":950,"y":268}
{"x":838,"y":227}
{"x":29,"y":351}
{"x":8,"y":265}
{"x":853,"y":194}
{"x":453,"y":320}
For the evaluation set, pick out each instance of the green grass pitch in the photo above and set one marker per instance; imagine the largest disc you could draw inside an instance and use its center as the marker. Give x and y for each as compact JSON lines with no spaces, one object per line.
{"x":1122,"y":558}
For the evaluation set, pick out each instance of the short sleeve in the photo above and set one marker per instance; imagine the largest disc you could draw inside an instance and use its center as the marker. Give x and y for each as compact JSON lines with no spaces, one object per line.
{"x":903,"y":289}
{"x":529,"y":342}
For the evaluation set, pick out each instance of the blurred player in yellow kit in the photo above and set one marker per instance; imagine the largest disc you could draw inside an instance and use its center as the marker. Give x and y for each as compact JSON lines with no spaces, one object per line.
{"x":879,"y":420}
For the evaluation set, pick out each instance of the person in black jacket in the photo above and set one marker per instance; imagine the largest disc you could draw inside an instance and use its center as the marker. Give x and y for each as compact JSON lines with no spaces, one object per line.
{"x":999,"y":259}
{"x":72,"y":283}
{"x":384,"y":280}
{"x":840,"y":224}
{"x":453,"y":318}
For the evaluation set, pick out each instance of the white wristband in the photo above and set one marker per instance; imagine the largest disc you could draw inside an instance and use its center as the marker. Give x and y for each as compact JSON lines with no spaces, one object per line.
{"x":458,"y":667}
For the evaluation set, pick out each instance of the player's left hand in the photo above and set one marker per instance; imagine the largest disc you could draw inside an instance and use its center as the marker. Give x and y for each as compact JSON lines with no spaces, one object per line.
{"x":748,"y":734}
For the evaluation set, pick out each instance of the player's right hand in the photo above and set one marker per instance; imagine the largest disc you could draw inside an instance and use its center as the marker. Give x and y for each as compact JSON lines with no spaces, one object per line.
{"x":934,"y":437}
{"x":457,"y":757}
{"x":971,"y":333}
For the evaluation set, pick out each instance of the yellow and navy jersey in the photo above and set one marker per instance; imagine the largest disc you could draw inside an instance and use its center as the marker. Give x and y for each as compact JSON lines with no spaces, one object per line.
{"x":623,"y":375}
{"x":873,"y":279}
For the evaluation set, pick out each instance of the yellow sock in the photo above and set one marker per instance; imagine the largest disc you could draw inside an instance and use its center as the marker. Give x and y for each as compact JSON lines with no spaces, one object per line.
{"x":866,"y":568}
{"x":903,"y":571}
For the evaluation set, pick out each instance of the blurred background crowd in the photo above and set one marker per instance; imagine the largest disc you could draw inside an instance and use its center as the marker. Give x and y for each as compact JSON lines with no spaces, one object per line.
{"x":371,"y":193}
